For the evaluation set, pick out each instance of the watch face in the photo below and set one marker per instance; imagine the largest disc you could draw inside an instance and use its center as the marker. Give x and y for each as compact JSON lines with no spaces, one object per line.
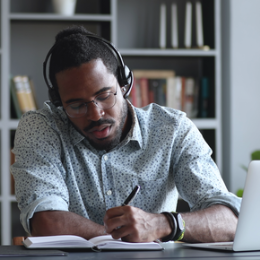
{"x":180,"y":222}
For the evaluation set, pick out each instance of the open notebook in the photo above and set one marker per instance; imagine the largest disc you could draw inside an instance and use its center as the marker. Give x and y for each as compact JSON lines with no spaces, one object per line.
{"x":105,"y":242}
{"x":247,"y":237}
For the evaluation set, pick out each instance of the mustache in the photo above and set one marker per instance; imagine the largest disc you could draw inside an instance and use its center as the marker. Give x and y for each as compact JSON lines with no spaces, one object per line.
{"x":99,"y":123}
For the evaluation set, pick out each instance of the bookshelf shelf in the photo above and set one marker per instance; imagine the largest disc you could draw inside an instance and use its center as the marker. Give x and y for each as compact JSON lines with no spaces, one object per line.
{"x":27,"y":32}
{"x":12,"y":124}
{"x":206,"y":123}
{"x":11,"y":198}
{"x":169,"y":52}
{"x":55,"y":17}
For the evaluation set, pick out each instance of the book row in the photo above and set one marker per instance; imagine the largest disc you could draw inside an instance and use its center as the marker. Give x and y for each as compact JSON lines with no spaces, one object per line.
{"x":192,"y":95}
{"x":193,"y":25}
{"x":22,"y":95}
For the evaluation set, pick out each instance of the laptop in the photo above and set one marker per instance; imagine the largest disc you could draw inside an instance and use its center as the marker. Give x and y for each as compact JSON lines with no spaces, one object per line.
{"x":247,"y":237}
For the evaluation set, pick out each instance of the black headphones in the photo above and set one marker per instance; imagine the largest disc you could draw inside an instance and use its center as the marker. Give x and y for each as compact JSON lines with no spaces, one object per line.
{"x":125,"y":75}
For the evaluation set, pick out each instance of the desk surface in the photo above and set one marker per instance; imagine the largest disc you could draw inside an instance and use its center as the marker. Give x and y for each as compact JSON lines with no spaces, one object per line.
{"x":171,"y":251}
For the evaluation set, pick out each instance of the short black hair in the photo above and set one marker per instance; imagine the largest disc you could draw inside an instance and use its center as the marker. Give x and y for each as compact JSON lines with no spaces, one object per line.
{"x":73,"y":47}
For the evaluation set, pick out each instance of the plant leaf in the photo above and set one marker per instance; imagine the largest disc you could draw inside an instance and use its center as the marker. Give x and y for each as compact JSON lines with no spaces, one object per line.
{"x":255,"y":155}
{"x":244,"y":167}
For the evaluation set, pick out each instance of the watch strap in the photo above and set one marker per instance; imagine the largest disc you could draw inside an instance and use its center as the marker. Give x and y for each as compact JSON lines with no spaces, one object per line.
{"x":173,"y":223}
{"x":180,"y":226}
{"x":177,"y":225}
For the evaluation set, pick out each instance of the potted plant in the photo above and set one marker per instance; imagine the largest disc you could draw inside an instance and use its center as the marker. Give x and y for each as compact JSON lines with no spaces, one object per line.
{"x":254,"y":156}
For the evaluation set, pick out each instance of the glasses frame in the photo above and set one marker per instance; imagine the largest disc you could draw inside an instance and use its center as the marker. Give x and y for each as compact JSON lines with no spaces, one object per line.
{"x":91,"y":101}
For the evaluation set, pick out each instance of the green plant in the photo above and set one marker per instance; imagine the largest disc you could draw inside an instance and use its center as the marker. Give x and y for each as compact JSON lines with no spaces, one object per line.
{"x":254,"y":156}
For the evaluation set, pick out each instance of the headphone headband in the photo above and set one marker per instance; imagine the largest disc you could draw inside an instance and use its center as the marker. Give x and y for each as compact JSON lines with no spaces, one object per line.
{"x":125,"y":77}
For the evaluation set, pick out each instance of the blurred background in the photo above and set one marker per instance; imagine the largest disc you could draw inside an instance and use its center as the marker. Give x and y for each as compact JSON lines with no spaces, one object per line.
{"x":205,"y":53}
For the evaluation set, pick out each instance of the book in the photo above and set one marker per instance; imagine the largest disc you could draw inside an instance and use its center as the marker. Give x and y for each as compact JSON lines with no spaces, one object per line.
{"x":188,"y":25}
{"x":12,"y":161}
{"x":182,"y":94}
{"x":189,"y":96}
{"x":158,"y":86}
{"x":28,"y":93}
{"x":21,"y":94}
{"x":105,"y":242}
{"x":162,"y":38}
{"x":135,"y":95}
{"x":15,"y":105}
{"x":199,"y":25}
{"x":33,"y":93}
{"x":174,"y":88}
{"x":204,"y":97}
{"x":144,"y":88}
{"x":174,"y":28}
{"x":153,"y":74}
{"x":153,"y":86}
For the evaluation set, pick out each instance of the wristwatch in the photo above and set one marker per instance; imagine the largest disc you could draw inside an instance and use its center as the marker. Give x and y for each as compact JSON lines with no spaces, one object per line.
{"x":180,"y":226}
{"x":177,"y":225}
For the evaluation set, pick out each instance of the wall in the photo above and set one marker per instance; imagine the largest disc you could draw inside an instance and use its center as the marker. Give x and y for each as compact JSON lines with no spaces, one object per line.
{"x":241,"y":87}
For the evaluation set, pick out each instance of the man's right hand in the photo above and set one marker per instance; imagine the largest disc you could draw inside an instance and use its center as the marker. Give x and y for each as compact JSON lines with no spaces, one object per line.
{"x":50,"y":223}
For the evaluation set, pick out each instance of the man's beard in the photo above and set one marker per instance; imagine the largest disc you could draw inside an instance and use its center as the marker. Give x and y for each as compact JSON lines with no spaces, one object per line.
{"x":118,"y":132}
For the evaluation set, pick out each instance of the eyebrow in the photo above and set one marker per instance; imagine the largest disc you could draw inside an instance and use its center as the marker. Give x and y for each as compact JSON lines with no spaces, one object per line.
{"x":95,"y":94}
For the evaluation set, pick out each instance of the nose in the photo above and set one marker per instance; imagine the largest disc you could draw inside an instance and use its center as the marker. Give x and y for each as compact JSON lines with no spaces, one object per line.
{"x":94,"y":113}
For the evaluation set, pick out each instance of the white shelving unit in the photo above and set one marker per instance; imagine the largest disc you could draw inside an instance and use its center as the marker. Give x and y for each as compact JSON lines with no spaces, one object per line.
{"x":27,"y":35}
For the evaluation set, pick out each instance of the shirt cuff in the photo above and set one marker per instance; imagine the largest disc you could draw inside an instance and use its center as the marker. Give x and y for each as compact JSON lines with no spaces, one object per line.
{"x":43,"y":204}
{"x":229,"y":200}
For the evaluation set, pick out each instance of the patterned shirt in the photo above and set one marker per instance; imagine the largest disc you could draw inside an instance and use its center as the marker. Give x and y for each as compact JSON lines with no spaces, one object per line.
{"x":57,"y":169}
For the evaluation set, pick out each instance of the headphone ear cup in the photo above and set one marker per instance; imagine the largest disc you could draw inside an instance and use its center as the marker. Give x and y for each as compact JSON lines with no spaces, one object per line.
{"x":126,"y":79}
{"x":54,"y":97}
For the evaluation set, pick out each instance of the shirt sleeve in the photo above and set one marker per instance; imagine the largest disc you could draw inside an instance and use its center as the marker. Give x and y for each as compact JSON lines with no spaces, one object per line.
{"x":38,"y":171}
{"x":197,"y":177}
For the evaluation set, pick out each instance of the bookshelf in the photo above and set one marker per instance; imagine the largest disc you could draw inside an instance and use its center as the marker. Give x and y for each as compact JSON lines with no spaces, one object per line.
{"x":27,"y":32}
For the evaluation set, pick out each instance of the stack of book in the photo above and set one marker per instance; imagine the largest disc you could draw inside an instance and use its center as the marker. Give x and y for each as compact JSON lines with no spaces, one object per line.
{"x":164,"y":88}
{"x":22,"y":95}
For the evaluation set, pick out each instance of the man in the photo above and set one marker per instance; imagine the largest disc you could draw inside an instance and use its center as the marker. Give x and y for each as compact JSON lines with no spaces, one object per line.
{"x":79,"y":157}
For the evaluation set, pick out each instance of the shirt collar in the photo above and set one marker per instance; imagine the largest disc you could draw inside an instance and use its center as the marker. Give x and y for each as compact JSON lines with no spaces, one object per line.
{"x":135,"y":133}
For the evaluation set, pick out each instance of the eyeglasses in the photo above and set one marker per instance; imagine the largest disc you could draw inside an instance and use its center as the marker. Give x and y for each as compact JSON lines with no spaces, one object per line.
{"x":102,"y":101}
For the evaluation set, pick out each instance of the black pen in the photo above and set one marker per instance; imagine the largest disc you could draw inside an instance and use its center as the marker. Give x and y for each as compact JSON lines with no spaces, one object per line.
{"x":132,"y":195}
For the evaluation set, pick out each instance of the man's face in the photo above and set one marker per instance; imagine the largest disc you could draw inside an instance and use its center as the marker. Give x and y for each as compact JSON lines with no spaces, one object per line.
{"x":103,"y":128}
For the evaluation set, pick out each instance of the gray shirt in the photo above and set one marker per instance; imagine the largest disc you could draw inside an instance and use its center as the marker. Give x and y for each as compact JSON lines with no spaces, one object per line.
{"x":57,"y":169}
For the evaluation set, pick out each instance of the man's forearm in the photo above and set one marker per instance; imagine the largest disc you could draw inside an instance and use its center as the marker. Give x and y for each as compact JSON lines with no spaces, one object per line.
{"x":217,"y":223}
{"x":49,"y":223}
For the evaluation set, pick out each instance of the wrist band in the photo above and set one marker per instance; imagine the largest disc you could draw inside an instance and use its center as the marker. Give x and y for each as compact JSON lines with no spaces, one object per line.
{"x":177,"y":224}
{"x":180,"y":226}
{"x":182,"y":233}
{"x":173,"y":223}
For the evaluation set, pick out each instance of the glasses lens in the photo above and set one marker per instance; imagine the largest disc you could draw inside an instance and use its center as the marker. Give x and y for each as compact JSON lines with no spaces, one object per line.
{"x":102,"y":101}
{"x":105,"y":100}
{"x":76,"y":109}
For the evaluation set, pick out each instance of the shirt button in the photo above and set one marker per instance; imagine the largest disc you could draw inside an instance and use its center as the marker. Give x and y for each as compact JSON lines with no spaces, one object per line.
{"x":109,"y":192}
{"x":105,"y":157}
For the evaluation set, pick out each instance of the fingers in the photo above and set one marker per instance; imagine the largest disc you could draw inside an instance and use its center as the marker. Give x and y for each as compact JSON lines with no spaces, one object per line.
{"x":130,"y":224}
{"x":115,"y":218}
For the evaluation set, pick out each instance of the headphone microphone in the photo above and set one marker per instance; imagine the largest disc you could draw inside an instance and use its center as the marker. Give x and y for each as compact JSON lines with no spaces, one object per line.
{"x":125,"y":75}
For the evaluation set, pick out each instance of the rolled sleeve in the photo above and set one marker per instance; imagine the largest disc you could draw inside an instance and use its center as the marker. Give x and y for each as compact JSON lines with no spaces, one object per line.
{"x":197,"y":177}
{"x":42,"y":204}
{"x":40,"y":177}
{"x":229,"y":200}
